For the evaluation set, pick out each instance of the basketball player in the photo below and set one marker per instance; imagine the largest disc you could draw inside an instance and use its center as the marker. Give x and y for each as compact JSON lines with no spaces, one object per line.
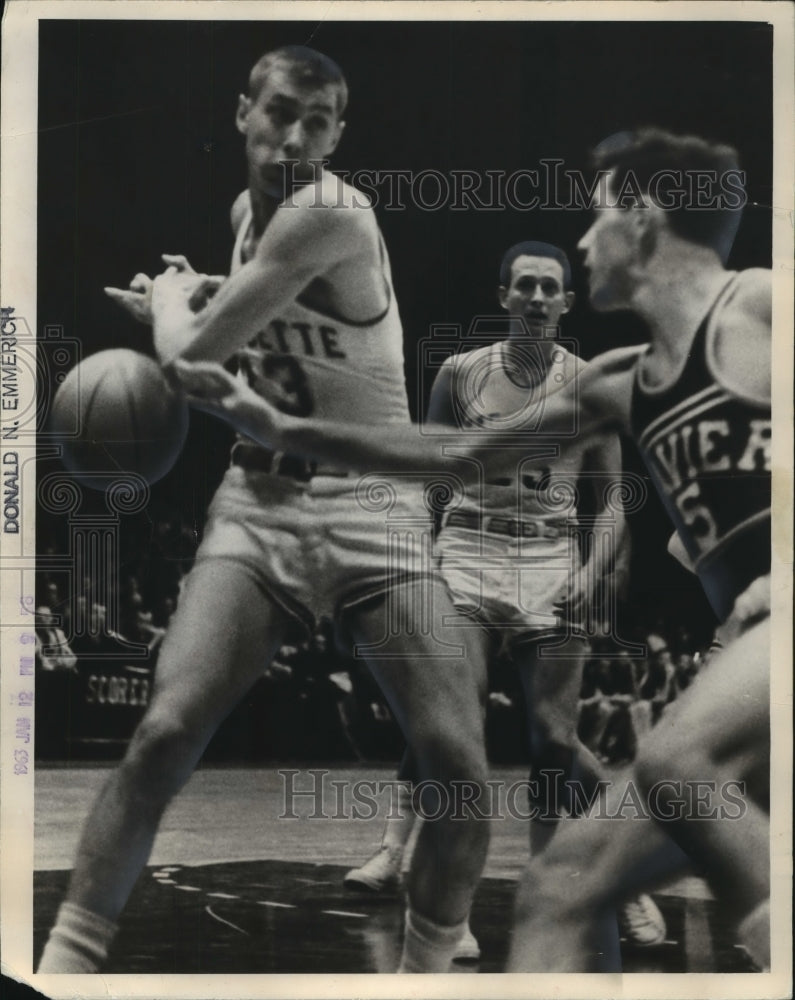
{"x":512,"y":560}
{"x":288,"y":541}
{"x":697,"y":401}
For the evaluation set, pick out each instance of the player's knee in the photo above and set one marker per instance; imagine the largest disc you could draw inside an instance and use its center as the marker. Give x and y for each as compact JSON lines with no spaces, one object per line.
{"x":447,"y":755}
{"x":161,"y":755}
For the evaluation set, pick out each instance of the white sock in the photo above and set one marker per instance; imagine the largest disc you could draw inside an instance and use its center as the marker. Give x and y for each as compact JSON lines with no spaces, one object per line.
{"x":428,"y":946}
{"x":78,"y":942}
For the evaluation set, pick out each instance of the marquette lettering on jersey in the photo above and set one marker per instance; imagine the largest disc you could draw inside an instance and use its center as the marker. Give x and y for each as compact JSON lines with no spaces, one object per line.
{"x":309,"y":361}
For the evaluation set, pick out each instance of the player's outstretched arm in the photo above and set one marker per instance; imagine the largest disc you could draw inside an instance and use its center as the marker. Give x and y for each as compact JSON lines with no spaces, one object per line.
{"x":437,"y":446}
{"x":398,"y":447}
{"x":601,"y":394}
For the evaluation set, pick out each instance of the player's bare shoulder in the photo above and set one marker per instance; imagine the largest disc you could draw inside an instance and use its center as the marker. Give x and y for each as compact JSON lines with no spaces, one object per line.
{"x":739,"y":337}
{"x":603,"y":387}
{"x":338,"y":206}
{"x":333,"y":224}
{"x":240,"y":209}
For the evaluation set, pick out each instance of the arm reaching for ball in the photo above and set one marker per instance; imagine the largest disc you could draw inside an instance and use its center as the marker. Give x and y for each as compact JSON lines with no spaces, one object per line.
{"x":397,"y":447}
{"x":211,"y":388}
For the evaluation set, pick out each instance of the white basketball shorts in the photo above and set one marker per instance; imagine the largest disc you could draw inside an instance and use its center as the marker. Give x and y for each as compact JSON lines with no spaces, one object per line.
{"x":321,"y":546}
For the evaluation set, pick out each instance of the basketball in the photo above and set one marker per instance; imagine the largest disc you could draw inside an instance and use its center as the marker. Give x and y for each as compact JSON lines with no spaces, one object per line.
{"x":115,"y":413}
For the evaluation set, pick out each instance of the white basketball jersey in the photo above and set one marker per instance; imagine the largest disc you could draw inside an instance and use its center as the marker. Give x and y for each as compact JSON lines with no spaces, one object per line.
{"x":494,"y":391}
{"x":309,"y":362}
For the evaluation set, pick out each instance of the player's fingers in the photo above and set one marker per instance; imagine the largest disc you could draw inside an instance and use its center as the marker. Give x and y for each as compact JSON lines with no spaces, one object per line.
{"x":125,"y":298}
{"x":165,"y":286}
{"x":141,"y":283}
{"x":179,"y":261}
{"x":170,"y":272}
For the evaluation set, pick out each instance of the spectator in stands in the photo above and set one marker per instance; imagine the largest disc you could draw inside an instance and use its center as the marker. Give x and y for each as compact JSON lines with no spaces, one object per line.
{"x":52,"y":649}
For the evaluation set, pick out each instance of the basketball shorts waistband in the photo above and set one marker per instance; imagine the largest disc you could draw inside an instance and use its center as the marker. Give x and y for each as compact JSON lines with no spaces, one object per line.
{"x":512,"y":527}
{"x":280,"y":463}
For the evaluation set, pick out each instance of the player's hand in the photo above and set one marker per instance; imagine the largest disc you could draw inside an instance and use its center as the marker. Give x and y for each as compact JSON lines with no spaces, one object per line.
{"x":135,"y":300}
{"x":178,"y":261}
{"x":208,"y":384}
{"x":209,"y":387}
{"x":204,"y":291}
{"x":205,"y":288}
{"x":174,"y":284}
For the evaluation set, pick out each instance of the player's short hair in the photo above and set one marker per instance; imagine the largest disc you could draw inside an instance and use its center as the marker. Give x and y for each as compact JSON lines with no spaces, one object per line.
{"x":648,"y":152}
{"x":305,"y":65}
{"x":534,"y":248}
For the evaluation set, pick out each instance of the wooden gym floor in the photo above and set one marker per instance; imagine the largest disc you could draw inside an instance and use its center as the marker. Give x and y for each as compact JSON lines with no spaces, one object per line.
{"x":233,"y":888}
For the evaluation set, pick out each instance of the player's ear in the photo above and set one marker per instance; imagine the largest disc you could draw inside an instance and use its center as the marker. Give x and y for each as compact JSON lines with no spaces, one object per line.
{"x":648,"y":222}
{"x":241,"y":118}
{"x":569,"y":297}
{"x":502,"y":296}
{"x":335,"y":138}
{"x":647,"y":217}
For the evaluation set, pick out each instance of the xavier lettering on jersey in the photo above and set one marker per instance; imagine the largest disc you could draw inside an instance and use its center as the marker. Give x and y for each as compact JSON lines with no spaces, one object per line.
{"x":699,"y":457}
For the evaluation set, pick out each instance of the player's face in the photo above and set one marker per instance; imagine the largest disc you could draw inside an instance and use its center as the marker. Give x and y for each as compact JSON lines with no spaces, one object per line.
{"x":288,"y":121}
{"x":536,"y":293}
{"x":610,"y":248}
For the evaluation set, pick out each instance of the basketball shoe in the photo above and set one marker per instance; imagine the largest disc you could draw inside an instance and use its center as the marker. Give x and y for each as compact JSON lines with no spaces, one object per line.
{"x":380,"y":874}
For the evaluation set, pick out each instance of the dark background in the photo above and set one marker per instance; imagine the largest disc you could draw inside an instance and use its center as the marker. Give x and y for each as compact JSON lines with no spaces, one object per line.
{"x":138,"y":155}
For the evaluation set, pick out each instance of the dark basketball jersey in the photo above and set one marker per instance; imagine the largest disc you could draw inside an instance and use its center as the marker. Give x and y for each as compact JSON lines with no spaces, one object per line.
{"x":708,"y":454}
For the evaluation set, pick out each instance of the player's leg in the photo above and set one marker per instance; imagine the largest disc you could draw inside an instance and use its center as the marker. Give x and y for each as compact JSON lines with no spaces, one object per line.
{"x":224,"y":632}
{"x":551,"y":681}
{"x":716,"y":732}
{"x":552,"y":685}
{"x":719,"y":734}
{"x":551,"y":676}
{"x":438,"y":703}
{"x":568,"y":894}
